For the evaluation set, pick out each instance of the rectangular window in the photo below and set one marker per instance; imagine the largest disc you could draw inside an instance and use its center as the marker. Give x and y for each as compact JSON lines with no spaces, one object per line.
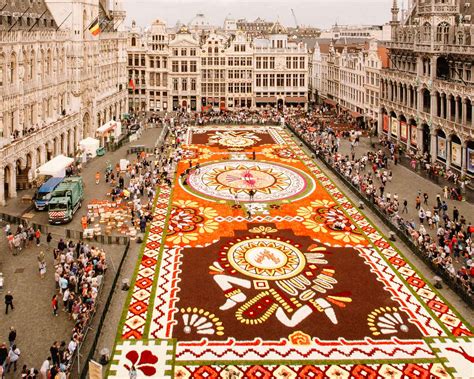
{"x":280,"y":80}
{"x":192,"y":52}
{"x":265,"y":63}
{"x":259,"y":80}
{"x":288,"y":80}
{"x":272,"y":62}
{"x":183,"y":52}
{"x":272,"y":80}
{"x":301,"y":63}
{"x":184,"y":66}
{"x":288,"y":62}
{"x":193,"y":66}
{"x":184,"y":84}
{"x":295,"y":63}
{"x":231,"y":74}
{"x":258,"y":62}
{"x":175,"y":52}
{"x":265,"y":80}
{"x":193,"y":84}
{"x":302,"y":81}
{"x":249,"y":61}
{"x":203,"y":61}
{"x":174,"y":66}
{"x":175,"y":84}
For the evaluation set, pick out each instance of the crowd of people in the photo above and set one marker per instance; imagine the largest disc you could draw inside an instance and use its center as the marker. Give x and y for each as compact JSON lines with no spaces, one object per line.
{"x":444,"y":236}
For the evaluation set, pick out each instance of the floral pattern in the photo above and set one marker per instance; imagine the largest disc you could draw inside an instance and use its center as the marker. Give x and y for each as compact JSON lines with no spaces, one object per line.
{"x":299,"y":338}
{"x":187,"y":220}
{"x":324,"y":216}
{"x":145,"y":362}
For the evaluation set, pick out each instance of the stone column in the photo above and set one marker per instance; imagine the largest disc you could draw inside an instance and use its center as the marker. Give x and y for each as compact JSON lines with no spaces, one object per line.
{"x":419,"y":138}
{"x":380,"y":123}
{"x":433,"y":152}
{"x":456,"y":111}
{"x":2,"y":186}
{"x":448,"y":107}
{"x":463,"y":157}
{"x":464,"y":111}
{"x":12,"y":183}
{"x":419,"y":100}
{"x":448,"y":151}
{"x":434,"y":105}
{"x":442,"y":98}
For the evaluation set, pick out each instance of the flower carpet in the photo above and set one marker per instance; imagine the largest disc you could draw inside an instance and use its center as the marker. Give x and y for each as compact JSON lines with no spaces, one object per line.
{"x":257,"y":266}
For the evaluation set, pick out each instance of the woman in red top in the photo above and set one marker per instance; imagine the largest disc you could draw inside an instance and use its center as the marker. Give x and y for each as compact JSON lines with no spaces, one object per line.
{"x":54,"y":304}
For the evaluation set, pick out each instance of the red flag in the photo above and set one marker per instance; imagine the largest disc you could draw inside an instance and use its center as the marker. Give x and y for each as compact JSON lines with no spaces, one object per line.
{"x":132,"y":84}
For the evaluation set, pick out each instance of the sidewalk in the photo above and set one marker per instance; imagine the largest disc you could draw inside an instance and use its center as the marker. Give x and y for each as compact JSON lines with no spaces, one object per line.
{"x":92,"y":191}
{"x":406,"y":183}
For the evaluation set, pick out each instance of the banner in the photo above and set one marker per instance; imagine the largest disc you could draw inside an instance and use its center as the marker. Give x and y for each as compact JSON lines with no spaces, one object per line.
{"x":456,"y":154}
{"x":470,"y":160}
{"x":413,"y":134}
{"x":403,"y":131}
{"x":386,"y":123}
{"x":441,"y":147}
{"x":394,"y":127}
{"x":95,"y":370}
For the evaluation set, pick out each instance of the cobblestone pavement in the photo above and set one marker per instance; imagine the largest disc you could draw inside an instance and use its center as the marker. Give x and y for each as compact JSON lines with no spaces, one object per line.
{"x":407,"y":184}
{"x":32,"y":317}
{"x":37,"y":328}
{"x":92,"y":190}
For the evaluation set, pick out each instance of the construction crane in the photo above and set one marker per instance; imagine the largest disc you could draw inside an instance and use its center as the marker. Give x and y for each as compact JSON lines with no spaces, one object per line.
{"x":294,"y":18}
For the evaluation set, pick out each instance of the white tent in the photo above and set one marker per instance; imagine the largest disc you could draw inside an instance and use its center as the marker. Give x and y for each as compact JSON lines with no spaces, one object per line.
{"x":90,"y":146}
{"x":111,"y":128}
{"x":56,"y":167}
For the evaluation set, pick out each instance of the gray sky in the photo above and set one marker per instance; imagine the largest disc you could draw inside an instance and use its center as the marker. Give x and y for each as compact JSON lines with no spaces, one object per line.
{"x":320,"y":13}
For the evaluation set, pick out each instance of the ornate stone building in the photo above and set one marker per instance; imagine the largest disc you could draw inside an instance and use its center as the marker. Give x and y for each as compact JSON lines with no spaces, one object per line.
{"x":58,"y":83}
{"x":217,"y":69}
{"x":427,"y":93}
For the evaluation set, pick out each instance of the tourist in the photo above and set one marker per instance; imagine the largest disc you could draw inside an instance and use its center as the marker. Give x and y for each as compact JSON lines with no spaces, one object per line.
{"x":12,"y":336}
{"x":8,"y":302}
{"x":54,"y":305}
{"x":13,"y":356}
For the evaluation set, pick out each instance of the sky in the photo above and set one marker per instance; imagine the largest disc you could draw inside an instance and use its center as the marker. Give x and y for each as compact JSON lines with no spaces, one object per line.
{"x":319,"y":13}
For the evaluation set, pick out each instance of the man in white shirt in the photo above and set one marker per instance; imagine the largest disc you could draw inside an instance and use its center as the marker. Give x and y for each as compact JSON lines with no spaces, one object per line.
{"x":44,"y":370}
{"x":13,"y":356}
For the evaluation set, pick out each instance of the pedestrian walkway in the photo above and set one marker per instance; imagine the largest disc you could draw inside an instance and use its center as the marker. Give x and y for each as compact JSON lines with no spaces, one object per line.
{"x":407,"y":184}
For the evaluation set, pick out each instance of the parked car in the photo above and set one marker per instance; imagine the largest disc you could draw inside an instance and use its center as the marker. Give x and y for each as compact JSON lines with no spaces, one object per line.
{"x":134,"y":128}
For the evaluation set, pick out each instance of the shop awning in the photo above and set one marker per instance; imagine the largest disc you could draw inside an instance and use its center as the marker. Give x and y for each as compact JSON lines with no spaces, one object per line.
{"x":295,"y":99}
{"x":356,"y":114}
{"x":330,"y":102}
{"x":269,"y":99}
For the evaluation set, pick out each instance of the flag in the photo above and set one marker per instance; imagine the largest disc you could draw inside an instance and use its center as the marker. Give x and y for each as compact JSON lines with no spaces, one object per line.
{"x":132,"y":84}
{"x":95,"y":27}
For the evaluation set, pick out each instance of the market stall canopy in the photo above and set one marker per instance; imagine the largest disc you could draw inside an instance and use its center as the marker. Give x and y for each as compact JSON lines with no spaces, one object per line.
{"x":56,"y":167}
{"x":90,"y":145}
{"x":112,"y":127}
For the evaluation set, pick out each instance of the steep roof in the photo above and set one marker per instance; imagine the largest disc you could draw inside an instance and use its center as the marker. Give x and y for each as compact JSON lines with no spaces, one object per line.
{"x":22,"y":15}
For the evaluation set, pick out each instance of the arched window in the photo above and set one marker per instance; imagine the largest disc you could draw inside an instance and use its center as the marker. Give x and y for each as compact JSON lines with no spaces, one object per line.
{"x":32,"y":64}
{"x":13,"y":68}
{"x":2,"y":69}
{"x":426,"y":32}
{"x":134,"y":41}
{"x":442,"y":32}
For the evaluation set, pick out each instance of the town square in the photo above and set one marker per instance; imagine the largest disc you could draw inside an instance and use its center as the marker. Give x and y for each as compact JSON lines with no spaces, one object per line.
{"x":203,"y":190}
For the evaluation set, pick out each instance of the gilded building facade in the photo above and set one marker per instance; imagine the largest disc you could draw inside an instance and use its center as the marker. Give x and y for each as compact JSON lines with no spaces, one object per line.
{"x":58,"y":82}
{"x":427,"y":92}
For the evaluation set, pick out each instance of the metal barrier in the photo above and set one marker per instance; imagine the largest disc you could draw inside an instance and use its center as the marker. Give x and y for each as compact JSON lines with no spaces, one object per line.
{"x":68,"y":233}
{"x":402,"y":234}
{"x":90,"y":355}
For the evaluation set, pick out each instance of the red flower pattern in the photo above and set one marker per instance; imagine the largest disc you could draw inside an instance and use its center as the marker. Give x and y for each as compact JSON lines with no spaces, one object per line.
{"x":144,"y":362}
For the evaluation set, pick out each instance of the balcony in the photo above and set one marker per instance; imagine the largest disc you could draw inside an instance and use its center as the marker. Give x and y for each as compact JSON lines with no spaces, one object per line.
{"x":39,"y":137}
{"x":440,"y":9}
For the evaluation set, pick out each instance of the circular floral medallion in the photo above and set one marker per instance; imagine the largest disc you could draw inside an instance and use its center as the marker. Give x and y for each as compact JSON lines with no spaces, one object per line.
{"x":267,"y":181}
{"x":234,"y":139}
{"x":267,"y":259}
